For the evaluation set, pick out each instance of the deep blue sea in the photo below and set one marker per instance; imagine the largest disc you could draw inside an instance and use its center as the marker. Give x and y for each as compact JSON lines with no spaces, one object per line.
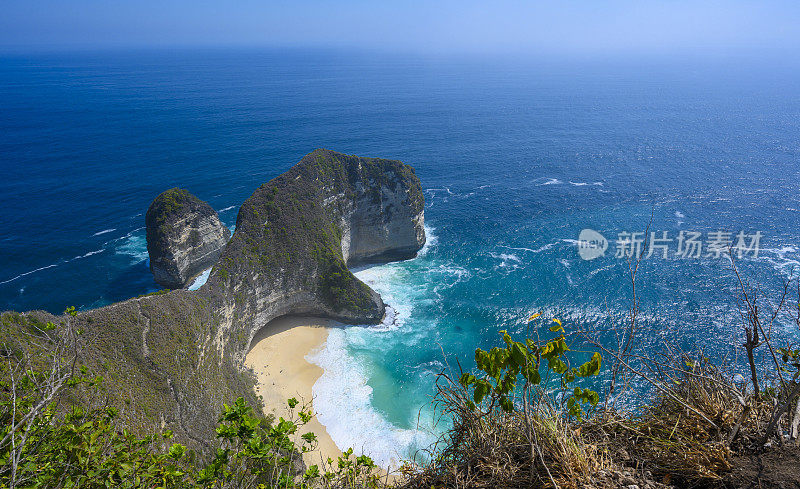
{"x":516,"y":157}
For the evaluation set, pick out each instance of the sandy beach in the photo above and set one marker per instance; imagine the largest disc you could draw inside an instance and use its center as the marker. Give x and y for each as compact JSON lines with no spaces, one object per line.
{"x":277,"y":355}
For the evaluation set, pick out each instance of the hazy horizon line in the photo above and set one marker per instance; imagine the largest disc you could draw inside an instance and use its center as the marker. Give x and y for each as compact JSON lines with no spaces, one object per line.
{"x":761,"y":53}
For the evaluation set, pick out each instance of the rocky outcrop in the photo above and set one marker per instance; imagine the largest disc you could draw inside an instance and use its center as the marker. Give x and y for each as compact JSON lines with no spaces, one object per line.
{"x":296,"y":235}
{"x":173,"y":358}
{"x":184,"y":237}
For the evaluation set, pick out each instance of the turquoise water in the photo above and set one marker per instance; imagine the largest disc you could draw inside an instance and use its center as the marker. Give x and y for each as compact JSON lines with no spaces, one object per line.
{"x":516,"y":157}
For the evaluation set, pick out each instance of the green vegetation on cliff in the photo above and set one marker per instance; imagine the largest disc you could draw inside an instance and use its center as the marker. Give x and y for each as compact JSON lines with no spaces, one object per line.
{"x":155,"y":375}
{"x":169,"y":204}
{"x":48,"y":440}
{"x":290,"y":229}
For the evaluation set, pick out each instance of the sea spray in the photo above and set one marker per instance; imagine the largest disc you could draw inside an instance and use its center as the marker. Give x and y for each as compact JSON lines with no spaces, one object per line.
{"x":133,"y":244}
{"x":200,"y":280}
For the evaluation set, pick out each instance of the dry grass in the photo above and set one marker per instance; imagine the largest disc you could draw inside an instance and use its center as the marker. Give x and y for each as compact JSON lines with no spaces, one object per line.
{"x":497,"y":449}
{"x":684,"y":437}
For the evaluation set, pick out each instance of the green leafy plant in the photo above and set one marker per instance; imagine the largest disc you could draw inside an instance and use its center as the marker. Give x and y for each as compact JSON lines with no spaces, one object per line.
{"x":502,"y":367}
{"x":791,"y":360}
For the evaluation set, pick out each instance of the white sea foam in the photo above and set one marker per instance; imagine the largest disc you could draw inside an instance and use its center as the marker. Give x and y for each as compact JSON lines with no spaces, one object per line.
{"x":28,"y":273}
{"x":584,"y":184}
{"x":104,"y":231}
{"x":551,"y":181}
{"x":679,"y":215}
{"x":200,"y":280}
{"x":85,"y":255}
{"x":531,"y":250}
{"x":227,"y":208}
{"x":398,"y":307}
{"x":134,"y":246}
{"x":430,"y":241}
{"x":343,"y":404}
{"x":544,"y":248}
{"x":446,"y":276}
{"x":595,"y":272}
{"x":342,"y":397}
{"x":784,"y":259}
{"x":507,"y":260}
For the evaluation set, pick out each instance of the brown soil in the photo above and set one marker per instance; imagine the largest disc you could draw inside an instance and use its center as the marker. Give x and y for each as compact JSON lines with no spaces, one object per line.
{"x":777,"y":468}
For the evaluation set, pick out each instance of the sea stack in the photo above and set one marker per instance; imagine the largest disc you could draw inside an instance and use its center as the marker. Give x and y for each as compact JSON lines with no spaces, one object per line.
{"x":184,"y":237}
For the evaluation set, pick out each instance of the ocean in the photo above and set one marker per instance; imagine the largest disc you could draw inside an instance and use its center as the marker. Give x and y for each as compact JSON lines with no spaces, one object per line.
{"x":516,"y":157}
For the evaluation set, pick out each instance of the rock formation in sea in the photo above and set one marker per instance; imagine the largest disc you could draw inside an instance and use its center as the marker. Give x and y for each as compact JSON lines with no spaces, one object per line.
{"x":184,"y":237}
{"x":297,"y":234}
{"x":174,"y":357}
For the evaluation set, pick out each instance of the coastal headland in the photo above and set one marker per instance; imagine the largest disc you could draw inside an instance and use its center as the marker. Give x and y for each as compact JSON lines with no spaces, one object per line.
{"x":173,"y":358}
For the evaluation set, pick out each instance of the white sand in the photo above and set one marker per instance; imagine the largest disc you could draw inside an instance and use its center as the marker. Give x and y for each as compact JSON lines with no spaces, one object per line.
{"x":277,"y":355}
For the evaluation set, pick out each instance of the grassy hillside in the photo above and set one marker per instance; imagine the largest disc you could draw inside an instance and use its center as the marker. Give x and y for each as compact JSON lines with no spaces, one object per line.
{"x":156,"y":376}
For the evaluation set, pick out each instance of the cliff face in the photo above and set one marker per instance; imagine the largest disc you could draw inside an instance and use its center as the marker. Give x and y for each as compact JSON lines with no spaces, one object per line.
{"x":296,"y":235}
{"x":383,"y":223}
{"x":184,"y":237}
{"x":172,"y":358}
{"x":155,"y":356}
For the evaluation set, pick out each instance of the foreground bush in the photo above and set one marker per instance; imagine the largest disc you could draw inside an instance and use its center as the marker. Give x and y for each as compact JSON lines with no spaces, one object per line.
{"x":87,"y":448}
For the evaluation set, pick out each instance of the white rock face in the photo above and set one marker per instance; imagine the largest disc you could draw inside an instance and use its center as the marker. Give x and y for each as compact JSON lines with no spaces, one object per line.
{"x":184,"y":238}
{"x":381,"y":230}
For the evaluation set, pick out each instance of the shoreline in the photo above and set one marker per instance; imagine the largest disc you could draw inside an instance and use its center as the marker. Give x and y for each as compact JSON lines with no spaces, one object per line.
{"x":277,"y":357}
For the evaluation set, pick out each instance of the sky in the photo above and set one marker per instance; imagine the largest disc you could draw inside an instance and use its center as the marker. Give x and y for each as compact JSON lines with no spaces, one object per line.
{"x":564,"y":26}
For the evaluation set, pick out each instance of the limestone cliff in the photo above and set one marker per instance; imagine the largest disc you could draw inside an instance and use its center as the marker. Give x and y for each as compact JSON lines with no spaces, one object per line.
{"x":296,"y":235}
{"x":184,"y":237}
{"x":172,"y":358}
